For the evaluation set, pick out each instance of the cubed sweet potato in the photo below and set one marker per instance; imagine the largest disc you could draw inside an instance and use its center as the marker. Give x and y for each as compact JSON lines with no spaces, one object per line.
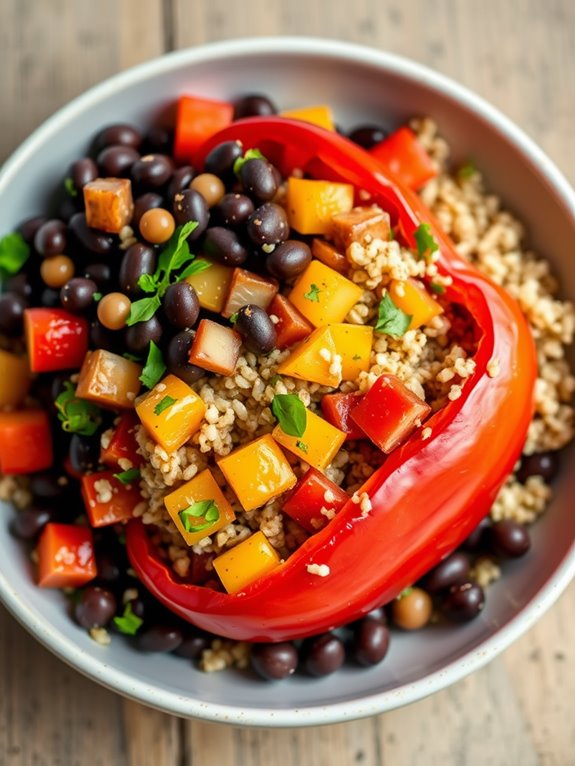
{"x":215,"y":348}
{"x":362,"y":224}
{"x":109,"y":204}
{"x":109,"y":380}
{"x":247,"y":287}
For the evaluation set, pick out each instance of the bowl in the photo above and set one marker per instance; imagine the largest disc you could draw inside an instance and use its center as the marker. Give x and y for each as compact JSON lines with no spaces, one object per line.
{"x":362,"y":85}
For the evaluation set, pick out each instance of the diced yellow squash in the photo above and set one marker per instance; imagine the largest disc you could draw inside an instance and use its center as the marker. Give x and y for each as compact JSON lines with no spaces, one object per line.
{"x":318,"y":444}
{"x":257,"y":472}
{"x":353,"y":343}
{"x":246,"y":562}
{"x":171,"y":413}
{"x":318,"y":115}
{"x":323,"y":295}
{"x":212,"y":286}
{"x":311,"y":204}
{"x":202,"y":487}
{"x":109,"y":380}
{"x":312,"y":360}
{"x":14,"y":379}
{"x":411,"y":297}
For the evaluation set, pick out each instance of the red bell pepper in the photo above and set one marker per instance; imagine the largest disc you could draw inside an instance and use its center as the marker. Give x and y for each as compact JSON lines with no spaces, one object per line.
{"x":65,"y":556}
{"x":403,"y":156}
{"x":291,"y":326}
{"x":25,"y":442}
{"x":123,"y":444}
{"x":428,"y":495}
{"x":197,"y":119}
{"x":312,"y":493}
{"x":337,"y":409}
{"x":56,"y":339}
{"x":108,"y":500}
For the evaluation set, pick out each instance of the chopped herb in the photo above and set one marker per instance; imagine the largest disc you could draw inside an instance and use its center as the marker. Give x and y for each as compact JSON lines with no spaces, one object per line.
{"x":426,"y":244}
{"x":128,"y":477}
{"x":356,"y":357}
{"x":163,"y":404}
{"x":70,"y":187}
{"x":129,"y":623}
{"x":313,"y":294}
{"x":251,"y":154}
{"x":148,"y":283}
{"x":436,"y":288}
{"x":467,"y":170}
{"x":97,"y":297}
{"x":405,"y":592}
{"x":143,"y":310}
{"x":154,"y":367}
{"x":77,"y":415}
{"x":275,"y":378}
{"x":290,"y":413}
{"x":391,"y":320}
{"x":14,"y":252}
{"x":206,"y":509}
{"x":234,"y":318}
{"x":302,"y":446}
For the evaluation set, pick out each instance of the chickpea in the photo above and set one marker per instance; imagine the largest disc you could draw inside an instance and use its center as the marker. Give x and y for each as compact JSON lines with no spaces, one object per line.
{"x":412,"y":611}
{"x":57,"y":270}
{"x":157,"y":225}
{"x":210,"y":187}
{"x":113,"y":310}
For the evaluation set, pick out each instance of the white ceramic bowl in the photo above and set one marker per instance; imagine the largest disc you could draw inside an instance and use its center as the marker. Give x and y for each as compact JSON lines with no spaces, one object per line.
{"x":362,"y":85}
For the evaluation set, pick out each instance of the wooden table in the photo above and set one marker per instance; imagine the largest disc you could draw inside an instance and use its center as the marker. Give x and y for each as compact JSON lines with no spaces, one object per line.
{"x":518,"y":710}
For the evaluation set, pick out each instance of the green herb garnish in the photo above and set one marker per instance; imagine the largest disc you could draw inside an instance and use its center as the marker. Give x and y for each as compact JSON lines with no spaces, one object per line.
{"x":356,"y":357}
{"x":163,"y":404}
{"x":275,"y":378}
{"x":97,"y":297}
{"x":203,"y":509}
{"x":302,"y":446}
{"x":436,"y":288}
{"x":14,"y":252}
{"x":128,"y":477}
{"x":291,"y":414}
{"x":313,"y":294}
{"x":391,"y":320}
{"x":426,"y":244}
{"x":467,"y":170}
{"x":77,"y":415}
{"x":154,"y":367}
{"x":70,"y":187}
{"x":405,"y":592}
{"x":234,"y":318}
{"x":251,"y":154}
{"x":129,"y":623}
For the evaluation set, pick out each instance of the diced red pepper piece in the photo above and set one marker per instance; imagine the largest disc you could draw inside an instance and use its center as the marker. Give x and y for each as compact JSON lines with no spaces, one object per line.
{"x":65,"y":556}
{"x":313,"y":494}
{"x":389,"y":412}
{"x":403,"y":155}
{"x":25,"y":442}
{"x":123,"y":444}
{"x":292,"y":325}
{"x":108,"y":500}
{"x":337,"y":409}
{"x":197,"y":120}
{"x":56,"y":339}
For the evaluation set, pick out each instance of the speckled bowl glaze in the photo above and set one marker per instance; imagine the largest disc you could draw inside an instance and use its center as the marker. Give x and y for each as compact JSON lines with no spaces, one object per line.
{"x":362,"y":85}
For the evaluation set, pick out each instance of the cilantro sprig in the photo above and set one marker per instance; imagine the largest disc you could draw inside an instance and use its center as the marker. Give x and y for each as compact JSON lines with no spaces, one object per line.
{"x":164,"y":404}
{"x":426,"y":243}
{"x":129,"y":623}
{"x":154,"y":368}
{"x":391,"y":320}
{"x":291,"y":414}
{"x":70,"y":187}
{"x":129,"y":476}
{"x":203,"y":509}
{"x":77,"y":415}
{"x":14,"y":252}
{"x":250,"y":154}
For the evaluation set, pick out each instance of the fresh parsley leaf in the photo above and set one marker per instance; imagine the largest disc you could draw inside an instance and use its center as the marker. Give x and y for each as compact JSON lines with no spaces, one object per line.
{"x":426,"y":244}
{"x":143,"y":309}
{"x":163,"y":404}
{"x":148,"y":283}
{"x":234,"y":318}
{"x":97,"y":297}
{"x":250,"y":154}
{"x":70,"y":187}
{"x":176,"y":252}
{"x":14,"y":252}
{"x":467,"y":170}
{"x":436,"y":288}
{"x":313,"y":294}
{"x":391,"y":320}
{"x":154,"y":367}
{"x":203,"y":509}
{"x":302,"y":446}
{"x":77,"y":415}
{"x":129,"y":623}
{"x":127,"y":477}
{"x":291,"y":414}
{"x":196,"y":267}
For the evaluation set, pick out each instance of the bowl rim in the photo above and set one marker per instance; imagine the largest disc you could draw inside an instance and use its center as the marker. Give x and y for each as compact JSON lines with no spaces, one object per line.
{"x":117,"y":680}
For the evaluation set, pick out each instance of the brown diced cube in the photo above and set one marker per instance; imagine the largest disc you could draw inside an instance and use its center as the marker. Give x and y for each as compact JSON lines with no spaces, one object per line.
{"x":109,"y":204}
{"x":362,"y":224}
{"x":215,"y":348}
{"x":247,"y":287}
{"x":109,"y":380}
{"x":327,"y":254}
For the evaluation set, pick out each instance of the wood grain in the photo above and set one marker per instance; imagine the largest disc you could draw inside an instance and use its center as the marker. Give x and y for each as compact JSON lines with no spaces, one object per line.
{"x":518,"y":710}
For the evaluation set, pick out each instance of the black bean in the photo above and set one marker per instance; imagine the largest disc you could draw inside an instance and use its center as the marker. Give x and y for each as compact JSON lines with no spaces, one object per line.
{"x":370,"y":641}
{"x":121,"y":133}
{"x":177,"y":356}
{"x":288,"y":259}
{"x":159,"y":139}
{"x":139,"y":336}
{"x":254,"y":105}
{"x":101,"y":337}
{"x":109,"y":571}
{"x":159,"y":638}
{"x":544,"y":464}
{"x":323,"y":654}
{"x":189,"y":205}
{"x":50,"y":298}
{"x":116,"y":161}
{"x":258,"y":180}
{"x":180,"y":180}
{"x":12,"y":308}
{"x":274,"y":661}
{"x":256,"y":328}
{"x":50,"y":239}
{"x":95,"y":607}
{"x":92,"y":239}
{"x":68,"y":207}
{"x":139,"y":259}
{"x":101,"y":274}
{"x":268,"y":225}
{"x":509,"y":539}
{"x":451,"y":571}
{"x":77,"y":295}
{"x":27,"y":524}
{"x":83,"y":171}
{"x":194,"y":641}
{"x":143,"y":203}
{"x":30,"y":226}
{"x":463,"y":602}
{"x":220,"y":161}
{"x":367,"y":135}
{"x":21,"y":285}
{"x":224,"y":245}
{"x":476,"y":540}
{"x":233,"y":210}
{"x":181,"y":305}
{"x":84,"y":453}
{"x":152,"y":170}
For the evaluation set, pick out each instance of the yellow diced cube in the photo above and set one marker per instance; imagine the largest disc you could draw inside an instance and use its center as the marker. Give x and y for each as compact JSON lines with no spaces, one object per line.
{"x":318,"y":444}
{"x":14,"y":379}
{"x":323,"y":295}
{"x":353,"y":343}
{"x":312,"y":360}
{"x":310,"y":204}
{"x":257,"y":472}
{"x":109,"y":380}
{"x":246,"y":562}
{"x":318,"y":115}
{"x":412,"y":298}
{"x":212,"y":286}
{"x":202,"y":489}
{"x":172,"y":413}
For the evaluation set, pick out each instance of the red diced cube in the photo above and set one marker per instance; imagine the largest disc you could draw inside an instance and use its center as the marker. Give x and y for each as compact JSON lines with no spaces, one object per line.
{"x":312,"y":493}
{"x":337,"y":409}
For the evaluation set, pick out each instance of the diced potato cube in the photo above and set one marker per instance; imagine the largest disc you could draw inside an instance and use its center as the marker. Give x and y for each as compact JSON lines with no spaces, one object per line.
{"x":353,"y":343}
{"x":109,"y":204}
{"x":202,"y":488}
{"x":14,"y":379}
{"x":109,"y":380}
{"x":323,"y":296}
{"x":411,"y":297}
{"x":246,"y":562}
{"x":171,"y":413}
{"x":313,"y":360}
{"x":247,"y":287}
{"x":318,"y":444}
{"x":325,"y":252}
{"x":212,"y":286}
{"x":310,"y":205}
{"x":257,"y":472}
{"x":318,"y":115}
{"x":362,"y":224}
{"x":291,"y":326}
{"x":215,"y":347}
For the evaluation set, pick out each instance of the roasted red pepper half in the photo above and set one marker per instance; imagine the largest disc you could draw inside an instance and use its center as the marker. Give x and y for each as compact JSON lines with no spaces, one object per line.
{"x":429,"y":494}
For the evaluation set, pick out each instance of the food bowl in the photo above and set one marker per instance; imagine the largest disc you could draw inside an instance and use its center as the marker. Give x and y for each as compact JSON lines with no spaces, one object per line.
{"x":362,"y":85}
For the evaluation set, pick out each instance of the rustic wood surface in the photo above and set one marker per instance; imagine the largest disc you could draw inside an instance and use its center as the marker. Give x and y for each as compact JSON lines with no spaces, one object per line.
{"x":518,"y":710}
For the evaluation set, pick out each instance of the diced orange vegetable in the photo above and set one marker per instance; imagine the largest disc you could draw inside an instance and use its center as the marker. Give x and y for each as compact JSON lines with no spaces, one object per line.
{"x":247,"y":287}
{"x":171,"y":413}
{"x":318,"y":444}
{"x":109,"y":204}
{"x":318,"y":115}
{"x":109,"y":380}
{"x":196,"y":120}
{"x":323,"y":296}
{"x":14,"y":379}
{"x":202,"y":487}
{"x":402,"y":154}
{"x":25,"y":442}
{"x":310,"y":205}
{"x":291,"y":326}
{"x":122,"y":445}
{"x":65,"y":556}
{"x":411,"y":297}
{"x":314,"y":501}
{"x":326,"y":253}
{"x":212,"y":286}
{"x":215,"y":347}
{"x":246,"y":562}
{"x":312,"y":360}
{"x":257,"y":472}
{"x":108,"y":500}
{"x":353,"y":343}
{"x":362,"y":224}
